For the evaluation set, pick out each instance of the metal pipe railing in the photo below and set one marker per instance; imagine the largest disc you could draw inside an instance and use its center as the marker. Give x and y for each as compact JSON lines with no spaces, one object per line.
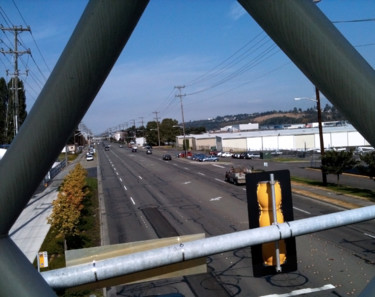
{"x":106,"y":269}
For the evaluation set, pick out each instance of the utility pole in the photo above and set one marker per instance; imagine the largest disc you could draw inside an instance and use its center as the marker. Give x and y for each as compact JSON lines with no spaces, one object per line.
{"x":141,"y":121}
{"x":182,"y":112}
{"x":16,"y":73}
{"x":157,"y":126}
{"x":135,"y":131}
{"x":324,"y":175}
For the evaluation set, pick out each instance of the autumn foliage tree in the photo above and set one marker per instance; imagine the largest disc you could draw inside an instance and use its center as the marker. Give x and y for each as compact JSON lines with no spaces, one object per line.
{"x":66,"y":212}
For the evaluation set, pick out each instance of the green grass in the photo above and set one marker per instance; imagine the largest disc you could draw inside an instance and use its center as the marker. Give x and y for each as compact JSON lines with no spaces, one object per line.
{"x":364,"y":193}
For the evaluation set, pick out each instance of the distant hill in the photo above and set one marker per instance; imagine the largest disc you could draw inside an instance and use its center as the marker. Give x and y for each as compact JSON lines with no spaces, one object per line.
{"x":269,"y":118}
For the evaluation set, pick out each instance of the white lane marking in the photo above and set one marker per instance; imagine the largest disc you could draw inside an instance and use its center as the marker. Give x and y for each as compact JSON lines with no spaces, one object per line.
{"x":369,"y":235}
{"x":218,"y":166}
{"x":302,"y":291}
{"x":116,"y":173}
{"x":222,"y":181}
{"x":120,"y":179}
{"x":186,"y":168}
{"x":188,"y":182}
{"x":140,"y":177}
{"x":301,"y":210}
{"x":125,"y":188}
{"x":201,"y":173}
{"x":131,"y":198}
{"x":215,"y":199}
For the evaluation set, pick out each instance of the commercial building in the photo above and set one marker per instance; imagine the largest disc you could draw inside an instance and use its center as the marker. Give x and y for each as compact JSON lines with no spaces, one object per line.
{"x":277,"y":139}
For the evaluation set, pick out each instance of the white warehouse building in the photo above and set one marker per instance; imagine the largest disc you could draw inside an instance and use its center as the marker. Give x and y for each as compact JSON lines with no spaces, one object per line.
{"x":283,"y":139}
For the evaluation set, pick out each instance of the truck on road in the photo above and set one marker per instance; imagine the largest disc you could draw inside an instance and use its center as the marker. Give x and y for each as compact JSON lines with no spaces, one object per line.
{"x":237,"y":175}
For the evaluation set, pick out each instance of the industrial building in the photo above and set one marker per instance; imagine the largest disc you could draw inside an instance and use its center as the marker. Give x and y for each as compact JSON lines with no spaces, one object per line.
{"x":277,"y":139}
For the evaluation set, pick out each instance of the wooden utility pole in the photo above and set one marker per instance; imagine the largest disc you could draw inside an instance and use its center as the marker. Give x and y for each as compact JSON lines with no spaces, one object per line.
{"x":324,"y":175}
{"x":182,"y":112}
{"x":157,"y":126}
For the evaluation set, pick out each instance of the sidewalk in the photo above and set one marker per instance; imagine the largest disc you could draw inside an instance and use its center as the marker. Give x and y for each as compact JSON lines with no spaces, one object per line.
{"x":31,"y":228}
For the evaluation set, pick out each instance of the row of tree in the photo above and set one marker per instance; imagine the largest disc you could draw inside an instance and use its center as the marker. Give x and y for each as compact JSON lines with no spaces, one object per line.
{"x":9,"y":108}
{"x":162,"y":133}
{"x":67,"y":207}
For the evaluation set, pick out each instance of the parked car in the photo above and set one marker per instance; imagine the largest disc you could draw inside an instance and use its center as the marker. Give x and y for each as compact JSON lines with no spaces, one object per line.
{"x":182,"y":155}
{"x":210,"y":158}
{"x":239,"y":155}
{"x":167,"y":157}
{"x":196,"y":157}
{"x":134,"y":149}
{"x":89,"y":157}
{"x":226,"y":154}
{"x":149,"y":152}
{"x":252,"y":155}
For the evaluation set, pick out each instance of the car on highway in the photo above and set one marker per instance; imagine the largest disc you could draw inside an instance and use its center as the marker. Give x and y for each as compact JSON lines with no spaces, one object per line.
{"x":167,"y":157}
{"x":89,"y":157}
{"x":106,"y":148}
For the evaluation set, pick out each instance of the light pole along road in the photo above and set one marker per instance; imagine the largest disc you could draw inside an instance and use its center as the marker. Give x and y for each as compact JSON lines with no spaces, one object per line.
{"x":321,"y":140}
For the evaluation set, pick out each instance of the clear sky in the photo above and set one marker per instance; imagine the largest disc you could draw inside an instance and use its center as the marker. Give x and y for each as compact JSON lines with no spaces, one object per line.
{"x":226,"y":62}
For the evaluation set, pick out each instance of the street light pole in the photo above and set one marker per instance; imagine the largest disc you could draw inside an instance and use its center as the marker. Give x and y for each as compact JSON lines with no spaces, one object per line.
{"x":321,"y":141}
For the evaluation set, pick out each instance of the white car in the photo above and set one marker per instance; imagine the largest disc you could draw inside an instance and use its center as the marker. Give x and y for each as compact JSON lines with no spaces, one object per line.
{"x":89,"y":157}
{"x":226,"y":154}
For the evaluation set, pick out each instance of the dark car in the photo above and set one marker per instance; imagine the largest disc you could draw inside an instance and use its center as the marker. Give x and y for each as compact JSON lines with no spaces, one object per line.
{"x":149,"y":152}
{"x":106,"y":148}
{"x":167,"y":157}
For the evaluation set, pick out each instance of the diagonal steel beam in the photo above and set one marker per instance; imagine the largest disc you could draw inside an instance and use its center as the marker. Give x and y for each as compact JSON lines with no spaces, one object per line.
{"x":90,"y":54}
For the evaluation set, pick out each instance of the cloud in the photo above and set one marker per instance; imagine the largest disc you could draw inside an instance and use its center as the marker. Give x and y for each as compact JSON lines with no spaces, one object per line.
{"x":236,"y":11}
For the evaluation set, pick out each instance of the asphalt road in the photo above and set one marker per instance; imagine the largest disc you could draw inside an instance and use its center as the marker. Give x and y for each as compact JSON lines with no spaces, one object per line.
{"x":146,"y":198}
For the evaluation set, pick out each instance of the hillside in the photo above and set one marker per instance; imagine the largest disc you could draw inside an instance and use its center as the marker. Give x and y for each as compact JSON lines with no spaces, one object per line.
{"x":269,"y":118}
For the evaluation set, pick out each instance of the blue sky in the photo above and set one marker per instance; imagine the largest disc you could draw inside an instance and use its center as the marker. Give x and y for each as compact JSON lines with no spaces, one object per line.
{"x":226,"y":62}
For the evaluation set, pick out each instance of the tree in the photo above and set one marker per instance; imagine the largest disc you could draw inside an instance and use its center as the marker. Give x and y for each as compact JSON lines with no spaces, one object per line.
{"x":369,"y":160}
{"x":7,"y":95}
{"x":167,"y":131}
{"x":152,"y":133}
{"x":196,"y":130}
{"x":334,"y":162}
{"x":68,"y":205}
{"x":3,"y":110}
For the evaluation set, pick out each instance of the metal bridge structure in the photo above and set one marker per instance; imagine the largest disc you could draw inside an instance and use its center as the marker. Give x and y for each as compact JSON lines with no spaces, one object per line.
{"x":298,"y":27}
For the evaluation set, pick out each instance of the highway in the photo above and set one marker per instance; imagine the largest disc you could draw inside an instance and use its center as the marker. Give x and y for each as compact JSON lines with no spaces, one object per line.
{"x":146,"y":198}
